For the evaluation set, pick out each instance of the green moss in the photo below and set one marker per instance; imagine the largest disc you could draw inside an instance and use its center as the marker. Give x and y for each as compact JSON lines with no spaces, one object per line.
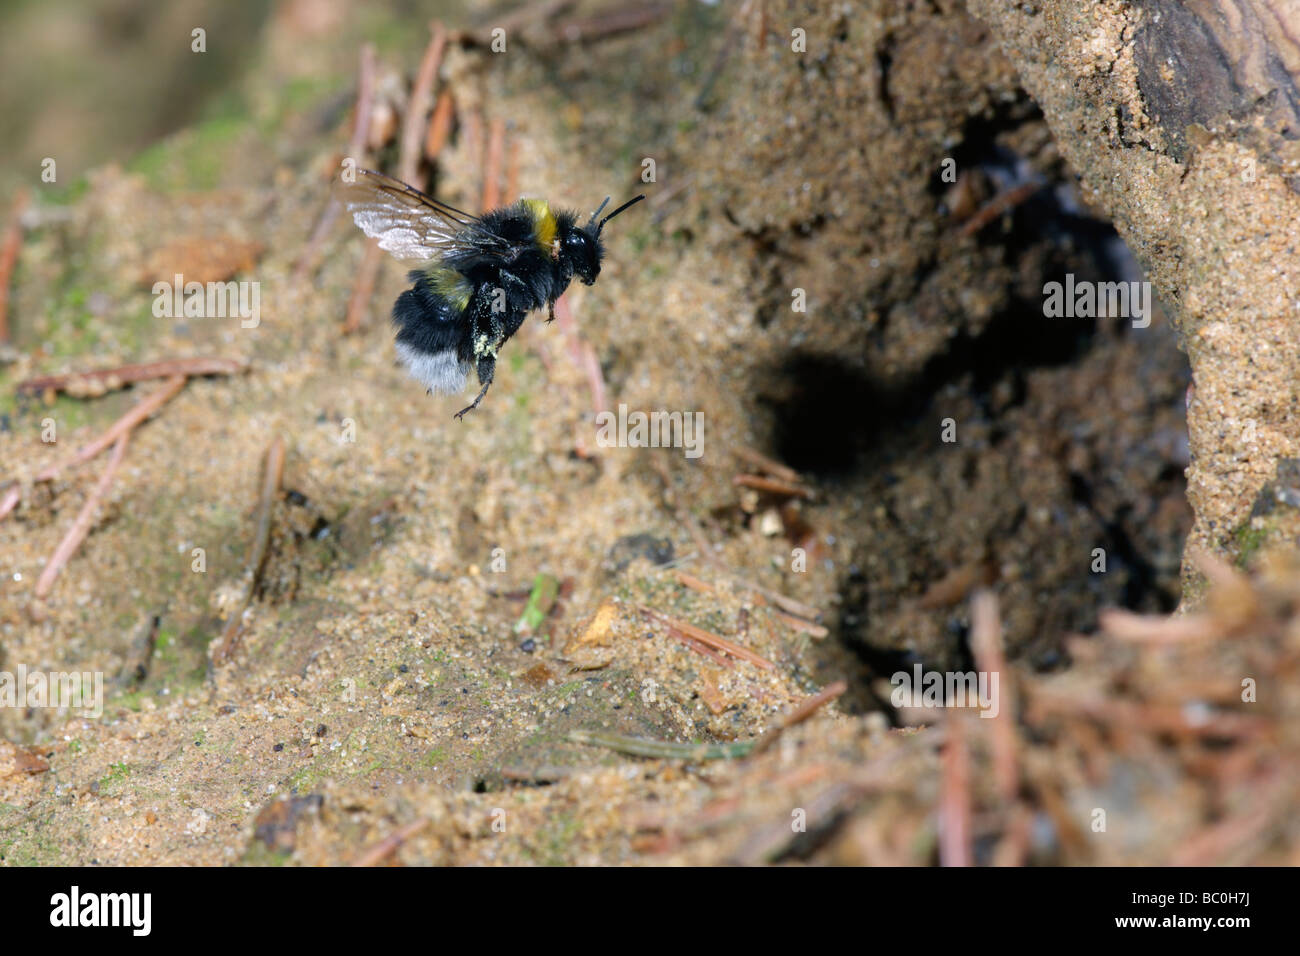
{"x":56,"y":195}
{"x":65,"y":326}
{"x":115,"y":779}
{"x":164,"y":647}
{"x":193,"y":159}
{"x":31,"y":850}
{"x":228,"y":105}
{"x":1249,"y":540}
{"x":394,"y":37}
{"x":179,"y":660}
{"x":130,"y":700}
{"x":259,"y":854}
{"x":300,"y":94}
{"x":567,"y":690}
{"x":304,"y":780}
{"x":557,"y":839}
{"x":640,"y":239}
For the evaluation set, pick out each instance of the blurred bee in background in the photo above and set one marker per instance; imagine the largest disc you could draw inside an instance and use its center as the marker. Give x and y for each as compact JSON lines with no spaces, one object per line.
{"x":483,"y":275}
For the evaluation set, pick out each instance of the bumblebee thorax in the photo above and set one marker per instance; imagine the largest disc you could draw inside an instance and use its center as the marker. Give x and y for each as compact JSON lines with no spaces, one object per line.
{"x":545,"y":227}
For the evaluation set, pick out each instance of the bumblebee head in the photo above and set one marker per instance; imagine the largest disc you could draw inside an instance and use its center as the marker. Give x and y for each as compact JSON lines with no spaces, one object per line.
{"x":581,"y":246}
{"x":582,"y":250}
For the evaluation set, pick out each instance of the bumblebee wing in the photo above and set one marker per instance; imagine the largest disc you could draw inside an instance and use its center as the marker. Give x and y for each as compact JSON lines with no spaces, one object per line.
{"x":412,"y":225}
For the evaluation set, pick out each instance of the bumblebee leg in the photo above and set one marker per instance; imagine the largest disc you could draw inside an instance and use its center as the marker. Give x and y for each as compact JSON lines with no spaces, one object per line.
{"x":474,"y":404}
{"x":487,"y":366}
{"x":550,"y":311}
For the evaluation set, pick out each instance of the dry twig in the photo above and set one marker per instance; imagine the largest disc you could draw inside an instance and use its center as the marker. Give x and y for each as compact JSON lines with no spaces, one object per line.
{"x":390,"y":844}
{"x":773,"y":486}
{"x":120,"y":428}
{"x":10,"y":246}
{"x":104,"y":380}
{"x":363,"y":287}
{"x":584,"y":355}
{"x":1001,"y":203}
{"x":84,"y":521}
{"x":661,"y":749}
{"x":417,"y":110}
{"x":607,"y":23}
{"x":801,"y":712}
{"x":439,"y":125}
{"x":512,"y":172}
{"x":986,"y":642}
{"x":272,"y":475}
{"x":356,"y":151}
{"x":492,"y":167}
{"x":709,"y":638}
{"x":769,"y":465}
{"x":513,"y":23}
{"x":789,"y":620}
{"x":123,"y":426}
{"x":408,"y":170}
{"x":955,"y":795}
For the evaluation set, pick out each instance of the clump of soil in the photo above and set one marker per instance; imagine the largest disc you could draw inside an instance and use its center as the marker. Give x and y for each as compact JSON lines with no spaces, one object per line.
{"x":880,"y":145}
{"x":1202,"y":187}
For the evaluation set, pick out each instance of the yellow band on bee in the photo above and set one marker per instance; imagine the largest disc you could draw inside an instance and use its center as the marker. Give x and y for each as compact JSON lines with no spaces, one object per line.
{"x":544,"y":226}
{"x":452,"y":286}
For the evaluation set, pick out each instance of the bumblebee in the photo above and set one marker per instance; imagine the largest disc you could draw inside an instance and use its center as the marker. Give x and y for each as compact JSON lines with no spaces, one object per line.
{"x":482,"y":277}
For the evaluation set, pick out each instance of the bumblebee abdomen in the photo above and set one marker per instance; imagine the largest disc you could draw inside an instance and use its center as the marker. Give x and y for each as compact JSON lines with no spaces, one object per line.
{"x":433,"y":334}
{"x":454,"y":288}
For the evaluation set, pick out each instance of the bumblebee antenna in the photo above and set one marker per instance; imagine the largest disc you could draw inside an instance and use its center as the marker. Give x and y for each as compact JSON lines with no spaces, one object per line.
{"x":630,"y":202}
{"x":592,"y":221}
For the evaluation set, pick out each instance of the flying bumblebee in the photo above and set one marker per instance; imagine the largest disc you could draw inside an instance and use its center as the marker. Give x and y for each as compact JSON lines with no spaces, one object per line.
{"x":483,"y":275}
